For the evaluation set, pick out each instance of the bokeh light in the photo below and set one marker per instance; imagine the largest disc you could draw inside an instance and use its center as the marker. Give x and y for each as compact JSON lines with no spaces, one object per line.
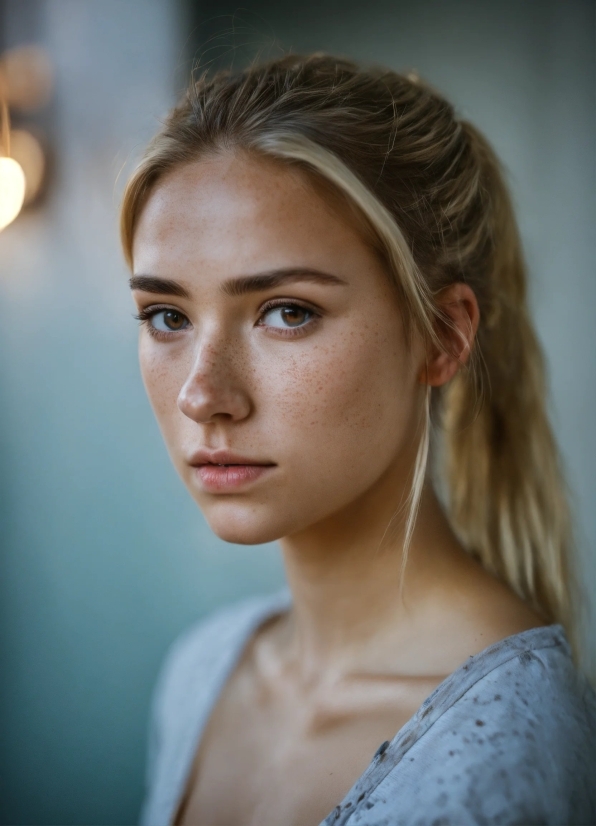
{"x":12,"y":190}
{"x":27,"y":151}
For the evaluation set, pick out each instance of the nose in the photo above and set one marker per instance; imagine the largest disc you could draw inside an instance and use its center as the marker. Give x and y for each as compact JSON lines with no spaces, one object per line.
{"x":213,"y":389}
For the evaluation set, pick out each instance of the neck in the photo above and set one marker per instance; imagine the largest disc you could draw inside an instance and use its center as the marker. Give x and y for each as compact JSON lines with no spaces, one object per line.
{"x":345,"y":578}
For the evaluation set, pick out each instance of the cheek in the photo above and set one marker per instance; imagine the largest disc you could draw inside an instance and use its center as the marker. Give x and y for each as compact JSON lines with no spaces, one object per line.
{"x":352,"y":395}
{"x":163,"y":376}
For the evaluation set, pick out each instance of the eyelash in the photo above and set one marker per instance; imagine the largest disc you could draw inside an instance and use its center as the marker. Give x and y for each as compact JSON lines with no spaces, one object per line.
{"x":145,"y":315}
{"x":290,"y":332}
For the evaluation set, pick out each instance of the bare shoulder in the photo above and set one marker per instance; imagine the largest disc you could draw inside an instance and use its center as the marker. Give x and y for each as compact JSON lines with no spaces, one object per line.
{"x":471,"y":610}
{"x":491,"y":611}
{"x":500,"y":608}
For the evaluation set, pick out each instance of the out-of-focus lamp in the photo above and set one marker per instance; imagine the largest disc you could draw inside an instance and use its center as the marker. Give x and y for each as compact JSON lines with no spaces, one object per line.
{"x":27,"y":152}
{"x":12,"y":190}
{"x":12,"y":177}
{"x":26,"y":81}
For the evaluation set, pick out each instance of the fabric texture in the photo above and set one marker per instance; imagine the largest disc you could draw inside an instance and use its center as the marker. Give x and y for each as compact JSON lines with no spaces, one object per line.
{"x":508,"y":738}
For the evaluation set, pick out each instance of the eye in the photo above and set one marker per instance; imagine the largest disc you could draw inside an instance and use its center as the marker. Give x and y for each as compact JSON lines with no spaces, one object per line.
{"x":168,"y":321}
{"x":287,"y":316}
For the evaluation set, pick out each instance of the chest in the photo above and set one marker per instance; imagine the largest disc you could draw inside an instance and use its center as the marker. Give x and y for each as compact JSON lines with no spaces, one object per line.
{"x":270,"y":762}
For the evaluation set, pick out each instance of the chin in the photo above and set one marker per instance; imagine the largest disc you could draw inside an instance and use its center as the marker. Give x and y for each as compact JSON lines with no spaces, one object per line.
{"x":243,"y":524}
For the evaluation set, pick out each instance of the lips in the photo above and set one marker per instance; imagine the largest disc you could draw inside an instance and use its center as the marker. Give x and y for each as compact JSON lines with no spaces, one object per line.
{"x":219,"y":471}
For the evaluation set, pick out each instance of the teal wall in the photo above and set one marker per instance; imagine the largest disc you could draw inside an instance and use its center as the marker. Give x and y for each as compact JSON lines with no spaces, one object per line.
{"x":104,"y":556}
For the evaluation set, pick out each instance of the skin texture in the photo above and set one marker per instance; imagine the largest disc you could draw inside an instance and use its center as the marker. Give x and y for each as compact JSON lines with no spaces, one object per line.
{"x":334,"y":407}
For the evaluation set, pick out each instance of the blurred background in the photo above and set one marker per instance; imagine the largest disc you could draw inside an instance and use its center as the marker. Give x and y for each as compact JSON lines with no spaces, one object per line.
{"x":104,"y":556}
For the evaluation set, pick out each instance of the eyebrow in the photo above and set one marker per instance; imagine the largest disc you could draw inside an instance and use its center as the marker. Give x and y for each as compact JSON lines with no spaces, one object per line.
{"x":239,"y":286}
{"x":275,"y":278}
{"x":163,"y":286}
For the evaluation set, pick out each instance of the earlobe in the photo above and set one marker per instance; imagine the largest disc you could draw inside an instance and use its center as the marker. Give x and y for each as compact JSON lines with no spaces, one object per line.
{"x":440,"y":369}
{"x":456,"y":331}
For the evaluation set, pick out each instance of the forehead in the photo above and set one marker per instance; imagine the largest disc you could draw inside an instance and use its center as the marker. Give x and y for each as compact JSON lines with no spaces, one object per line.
{"x":240,"y":210}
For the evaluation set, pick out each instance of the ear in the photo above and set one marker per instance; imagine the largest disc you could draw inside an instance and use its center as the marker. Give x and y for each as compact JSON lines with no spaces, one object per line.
{"x":457,"y":333}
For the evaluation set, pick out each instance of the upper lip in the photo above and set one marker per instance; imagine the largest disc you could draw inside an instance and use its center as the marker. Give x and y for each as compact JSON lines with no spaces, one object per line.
{"x":222,"y":457}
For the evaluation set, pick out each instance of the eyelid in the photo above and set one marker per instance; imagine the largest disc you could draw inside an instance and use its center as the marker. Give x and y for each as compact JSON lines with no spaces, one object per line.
{"x":290,"y":302}
{"x":146,"y":315}
{"x":301,"y":330}
{"x":152,"y":309}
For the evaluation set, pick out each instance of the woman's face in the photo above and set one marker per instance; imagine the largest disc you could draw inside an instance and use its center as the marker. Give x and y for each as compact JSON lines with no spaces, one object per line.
{"x":272,"y":349}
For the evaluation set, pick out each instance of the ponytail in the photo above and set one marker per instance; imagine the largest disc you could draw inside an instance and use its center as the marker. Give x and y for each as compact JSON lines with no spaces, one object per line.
{"x":507,"y":498}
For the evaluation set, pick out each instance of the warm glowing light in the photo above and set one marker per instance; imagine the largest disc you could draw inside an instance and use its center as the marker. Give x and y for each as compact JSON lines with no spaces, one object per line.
{"x":27,"y":152}
{"x":12,"y":190}
{"x":26,"y":80}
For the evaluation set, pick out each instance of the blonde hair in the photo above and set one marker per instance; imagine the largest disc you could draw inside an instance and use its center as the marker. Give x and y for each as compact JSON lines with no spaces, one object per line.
{"x":430,"y":189}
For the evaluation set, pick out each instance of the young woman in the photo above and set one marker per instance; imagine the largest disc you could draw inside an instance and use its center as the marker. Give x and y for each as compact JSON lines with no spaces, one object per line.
{"x":322,"y":257}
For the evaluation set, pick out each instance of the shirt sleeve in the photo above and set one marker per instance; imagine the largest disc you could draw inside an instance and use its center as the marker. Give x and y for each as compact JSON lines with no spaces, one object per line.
{"x":517,"y":748}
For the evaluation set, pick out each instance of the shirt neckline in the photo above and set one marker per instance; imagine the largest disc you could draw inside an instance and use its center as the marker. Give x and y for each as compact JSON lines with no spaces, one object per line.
{"x":454,"y":686}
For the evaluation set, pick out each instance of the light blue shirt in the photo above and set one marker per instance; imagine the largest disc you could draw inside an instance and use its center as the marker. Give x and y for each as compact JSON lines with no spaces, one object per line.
{"x":508,"y":738}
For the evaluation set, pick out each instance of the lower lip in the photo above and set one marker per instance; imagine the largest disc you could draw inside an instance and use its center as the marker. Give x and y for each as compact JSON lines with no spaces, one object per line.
{"x":221,"y":478}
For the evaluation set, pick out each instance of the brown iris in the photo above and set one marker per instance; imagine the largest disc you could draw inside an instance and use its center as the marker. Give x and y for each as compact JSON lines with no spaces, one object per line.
{"x":294,"y":315}
{"x":173,"y":320}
